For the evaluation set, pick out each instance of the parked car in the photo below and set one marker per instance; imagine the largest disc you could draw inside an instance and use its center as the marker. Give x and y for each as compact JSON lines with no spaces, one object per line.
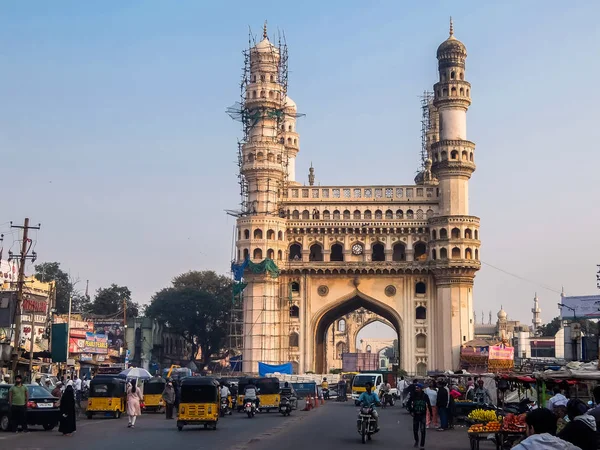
{"x":42,"y":408}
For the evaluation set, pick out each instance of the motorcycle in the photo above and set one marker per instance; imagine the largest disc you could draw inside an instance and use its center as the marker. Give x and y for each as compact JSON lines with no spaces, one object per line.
{"x":386,"y":399}
{"x":250,"y":408}
{"x":366,"y":423}
{"x":224,"y":407}
{"x":325,"y":394}
{"x":285,"y":406}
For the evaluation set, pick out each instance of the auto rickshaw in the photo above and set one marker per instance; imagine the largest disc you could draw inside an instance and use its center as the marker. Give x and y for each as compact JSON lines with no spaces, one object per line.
{"x":153,"y":389}
{"x":268,"y":393}
{"x":107,"y":395}
{"x":199,"y":402}
{"x":242,"y":383}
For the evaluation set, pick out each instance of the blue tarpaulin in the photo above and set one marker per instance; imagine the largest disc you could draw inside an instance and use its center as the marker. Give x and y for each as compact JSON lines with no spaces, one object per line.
{"x":264,"y":369}
{"x":236,"y":363}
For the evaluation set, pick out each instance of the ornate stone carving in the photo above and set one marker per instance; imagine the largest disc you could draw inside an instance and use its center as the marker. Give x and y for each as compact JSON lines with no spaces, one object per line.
{"x":390,"y":290}
{"x":323,"y":290}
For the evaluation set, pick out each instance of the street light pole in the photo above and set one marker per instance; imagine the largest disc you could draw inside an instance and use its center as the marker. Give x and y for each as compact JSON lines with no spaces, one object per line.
{"x":574,"y":342}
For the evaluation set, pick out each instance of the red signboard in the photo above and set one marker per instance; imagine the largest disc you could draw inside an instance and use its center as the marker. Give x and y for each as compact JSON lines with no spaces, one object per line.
{"x":34,"y":306}
{"x":502,"y":353}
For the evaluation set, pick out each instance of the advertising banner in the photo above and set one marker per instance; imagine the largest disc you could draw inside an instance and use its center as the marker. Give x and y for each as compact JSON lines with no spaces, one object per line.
{"x":112,"y":329}
{"x":85,"y":357}
{"x":95,"y":343}
{"x":501,"y":353}
{"x":76,"y":345}
{"x":583,"y":307}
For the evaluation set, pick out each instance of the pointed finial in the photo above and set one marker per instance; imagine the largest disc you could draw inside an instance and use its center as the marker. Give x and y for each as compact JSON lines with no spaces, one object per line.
{"x":265,"y":30}
{"x":451,"y":27}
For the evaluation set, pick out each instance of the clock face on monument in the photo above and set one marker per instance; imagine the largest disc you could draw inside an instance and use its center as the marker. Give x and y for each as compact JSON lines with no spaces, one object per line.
{"x":357,"y":249}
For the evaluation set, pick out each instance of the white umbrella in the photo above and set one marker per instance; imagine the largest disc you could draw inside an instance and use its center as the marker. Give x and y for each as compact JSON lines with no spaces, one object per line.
{"x":135,"y":372}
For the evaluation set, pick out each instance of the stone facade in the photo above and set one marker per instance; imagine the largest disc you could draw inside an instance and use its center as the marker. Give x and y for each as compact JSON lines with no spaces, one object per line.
{"x":407,"y":253}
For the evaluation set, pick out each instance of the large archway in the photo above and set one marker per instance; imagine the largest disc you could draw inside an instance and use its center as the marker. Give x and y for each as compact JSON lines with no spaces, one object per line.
{"x":342,"y":307}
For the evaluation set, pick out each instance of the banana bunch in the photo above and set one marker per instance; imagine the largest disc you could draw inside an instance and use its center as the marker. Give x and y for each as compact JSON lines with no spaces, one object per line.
{"x":483,"y":415}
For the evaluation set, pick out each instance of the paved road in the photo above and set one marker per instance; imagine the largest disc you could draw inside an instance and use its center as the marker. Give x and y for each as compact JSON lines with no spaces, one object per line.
{"x":327,"y":428}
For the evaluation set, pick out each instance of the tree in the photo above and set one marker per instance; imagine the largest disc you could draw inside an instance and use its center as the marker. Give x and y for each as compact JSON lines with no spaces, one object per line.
{"x":50,"y":271}
{"x":109,"y":301}
{"x":551,"y":328}
{"x":197,"y":307}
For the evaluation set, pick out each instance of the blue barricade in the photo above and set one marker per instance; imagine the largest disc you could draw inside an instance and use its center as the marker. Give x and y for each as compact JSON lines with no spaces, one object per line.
{"x":304,"y":389}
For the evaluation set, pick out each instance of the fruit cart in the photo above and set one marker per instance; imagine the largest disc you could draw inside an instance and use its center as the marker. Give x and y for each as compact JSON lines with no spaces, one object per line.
{"x":513,"y":429}
{"x":483,"y":425}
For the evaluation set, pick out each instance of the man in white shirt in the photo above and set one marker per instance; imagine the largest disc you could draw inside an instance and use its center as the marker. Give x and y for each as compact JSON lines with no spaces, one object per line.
{"x":557,"y":400}
{"x":77,"y":388}
{"x":402,"y":385}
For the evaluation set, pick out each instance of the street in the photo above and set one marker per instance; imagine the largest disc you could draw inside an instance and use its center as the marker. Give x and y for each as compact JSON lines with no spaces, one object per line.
{"x":327,"y":427}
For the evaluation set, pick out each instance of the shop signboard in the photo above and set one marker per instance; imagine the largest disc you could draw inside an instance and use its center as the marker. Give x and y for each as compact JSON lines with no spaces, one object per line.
{"x":501,"y":353}
{"x":112,"y":329}
{"x":95,"y":343}
{"x":76,"y":345}
{"x":582,"y":307}
{"x":86,"y":357}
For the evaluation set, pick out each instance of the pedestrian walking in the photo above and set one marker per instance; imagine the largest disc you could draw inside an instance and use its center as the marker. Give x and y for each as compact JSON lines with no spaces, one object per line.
{"x":419,"y":405}
{"x":67,"y":412}
{"x":168,"y":396}
{"x":57,"y":391}
{"x":18,"y":396}
{"x":402,"y":385}
{"x":433,"y":420}
{"x":134,"y":398}
{"x":443,"y":405}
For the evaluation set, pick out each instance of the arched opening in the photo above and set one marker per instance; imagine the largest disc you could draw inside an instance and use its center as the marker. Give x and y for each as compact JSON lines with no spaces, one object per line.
{"x":295,"y":287}
{"x":271,"y":253}
{"x":421,"y":341}
{"x":443,"y":233}
{"x":341,"y":326}
{"x":270,"y":157}
{"x":453,"y":92}
{"x":421,"y":369}
{"x":378,"y":252}
{"x":421,"y":313}
{"x":280,"y":235}
{"x":279,"y":255}
{"x":295,"y":253}
{"x":420,"y":288}
{"x":357,"y":215}
{"x":326,"y":215}
{"x":337,"y":253}
{"x":296,"y":215}
{"x":468,"y":253}
{"x":346,"y":215}
{"x":295,"y":367}
{"x":316,"y":253}
{"x":294,"y":311}
{"x":315,"y":214}
{"x":462,"y":76}
{"x":477,"y":254}
{"x":369,"y":349}
{"x":378,"y":215}
{"x":341,"y":309}
{"x":305,"y":215}
{"x":399,"y":252}
{"x":455,"y":233}
{"x":420,"y":251}
{"x":465,"y":156}
{"x":456,"y":253}
{"x":399,"y":214}
{"x":258,"y":234}
{"x":452,"y":75}
{"x":270,"y":234}
{"x":368,"y":215}
{"x":246,"y":234}
{"x":294,"y":339}
{"x":433,"y":234}
{"x":340,"y":348}
{"x":246,"y":253}
{"x":336,"y":215}
{"x":468,"y":233}
{"x":444,"y":155}
{"x":443,"y":253}
{"x":434,"y":254}
{"x":476,"y":234}
{"x":257,"y":254}
{"x":462,"y":91}
{"x":410,"y":214}
{"x":389,"y":214}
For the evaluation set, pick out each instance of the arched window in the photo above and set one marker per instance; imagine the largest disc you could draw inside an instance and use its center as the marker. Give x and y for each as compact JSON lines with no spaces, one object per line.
{"x":433,"y":234}
{"x":258,"y":234}
{"x":420,"y":288}
{"x":315,"y":214}
{"x":336,"y":215}
{"x":434,"y":254}
{"x":257,"y":253}
{"x":462,"y":91}
{"x":462,"y":76}
{"x":294,"y":311}
{"x":452,"y":75}
{"x":399,"y":214}
{"x":270,"y":157}
{"x":444,"y":155}
{"x":316,"y":253}
{"x":271,"y":253}
{"x":378,"y":252}
{"x":453,"y":92}
{"x":443,"y":233}
{"x":467,"y":92}
{"x":464,"y":156}
{"x":341,"y":326}
{"x":246,"y":254}
{"x":443,"y":253}
{"x":272,"y":78}
{"x":389,"y":214}
{"x":340,"y":348}
{"x":421,"y":369}
{"x":270,"y":234}
{"x":420,"y":251}
{"x":251,"y":157}
{"x":410,"y":214}
{"x":295,"y":253}
{"x":263,"y":94}
{"x":326,"y":215}
{"x":357,"y":215}
{"x":368,"y":215}
{"x":421,"y":313}
{"x":456,"y":253}
{"x":378,"y":215}
{"x":444,"y":94}
{"x":296,"y":214}
{"x":294,"y":339}
{"x":454,"y":154}
{"x":455,"y":233}
{"x":368,"y":349}
{"x":246,"y":234}
{"x":337,"y":253}
{"x":468,"y":253}
{"x":279,"y":255}
{"x":399,"y":253}
{"x":382,"y":363}
{"x":253,"y":94}
{"x":295,"y":287}
{"x":346,"y":215}
{"x":280,"y":235}
{"x":477,"y":254}
{"x":421,"y":341}
{"x":468,"y":233}
{"x":420,"y":214}
{"x":305,"y":215}
{"x":476,"y":234}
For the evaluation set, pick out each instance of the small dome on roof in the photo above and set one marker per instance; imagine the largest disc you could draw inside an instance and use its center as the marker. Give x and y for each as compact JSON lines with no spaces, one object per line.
{"x":289,"y":103}
{"x":502,"y":314}
{"x":265,"y":44}
{"x":451,"y":45}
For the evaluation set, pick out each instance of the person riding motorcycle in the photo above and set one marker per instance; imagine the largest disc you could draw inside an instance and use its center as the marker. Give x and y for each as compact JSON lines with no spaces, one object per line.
{"x":251,"y":394}
{"x":384,"y":391}
{"x":370,"y":399}
{"x":325,"y":388}
{"x":225,"y":393}
{"x":287,"y":391}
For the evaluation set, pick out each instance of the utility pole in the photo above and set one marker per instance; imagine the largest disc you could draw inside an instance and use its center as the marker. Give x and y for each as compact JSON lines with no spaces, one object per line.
{"x":124,"y":334}
{"x":20,"y":284}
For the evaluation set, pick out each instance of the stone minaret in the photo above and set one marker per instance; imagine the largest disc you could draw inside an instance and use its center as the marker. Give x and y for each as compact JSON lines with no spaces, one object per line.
{"x":537,"y":320}
{"x":457,"y":233}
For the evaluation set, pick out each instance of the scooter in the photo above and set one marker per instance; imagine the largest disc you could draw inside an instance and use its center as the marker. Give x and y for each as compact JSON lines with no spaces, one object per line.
{"x":387,"y":399}
{"x":250,"y":408}
{"x":285,"y":406}
{"x":224,"y":407}
{"x":366,"y":423}
{"x":325,"y":394}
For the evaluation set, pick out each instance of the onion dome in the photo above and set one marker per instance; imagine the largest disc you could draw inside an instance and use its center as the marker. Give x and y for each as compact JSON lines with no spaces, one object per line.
{"x":451,"y":46}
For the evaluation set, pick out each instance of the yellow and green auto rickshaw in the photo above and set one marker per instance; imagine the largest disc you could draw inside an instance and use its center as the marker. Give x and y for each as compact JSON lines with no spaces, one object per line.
{"x":268,"y":393}
{"x":199,"y":402}
{"x":107,"y":396}
{"x":153,"y":389}
{"x":242,"y":383}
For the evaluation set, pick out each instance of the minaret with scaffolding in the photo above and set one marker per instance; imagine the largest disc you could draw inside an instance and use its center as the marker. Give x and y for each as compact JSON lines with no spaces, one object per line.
{"x":266,"y":159}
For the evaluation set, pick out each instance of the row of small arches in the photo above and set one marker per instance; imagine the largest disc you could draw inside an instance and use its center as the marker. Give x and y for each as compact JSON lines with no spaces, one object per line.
{"x":455,"y":233}
{"x":456,"y":253}
{"x":444,"y":75}
{"x":258,"y":234}
{"x":263,"y":78}
{"x":358,"y":215}
{"x":454,"y":155}
{"x":453,"y":92}
{"x":263,"y":94}
{"x":260,"y":156}
{"x":377,"y":252}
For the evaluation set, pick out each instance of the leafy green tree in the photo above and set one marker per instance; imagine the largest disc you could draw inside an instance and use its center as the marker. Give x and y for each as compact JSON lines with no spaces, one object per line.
{"x":51,"y":271}
{"x":197,"y":307}
{"x":551,"y":328}
{"x":109,"y":301}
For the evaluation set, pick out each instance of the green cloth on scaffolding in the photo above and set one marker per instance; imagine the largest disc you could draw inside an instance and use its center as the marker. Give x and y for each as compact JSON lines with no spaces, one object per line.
{"x":238,"y":288}
{"x":267,"y":265}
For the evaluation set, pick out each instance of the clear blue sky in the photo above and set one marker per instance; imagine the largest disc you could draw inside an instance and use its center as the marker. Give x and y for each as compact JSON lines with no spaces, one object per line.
{"x":113,"y":132}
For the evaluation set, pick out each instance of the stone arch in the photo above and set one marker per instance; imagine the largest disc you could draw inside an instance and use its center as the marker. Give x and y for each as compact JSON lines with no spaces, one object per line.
{"x":421,"y":369}
{"x":369,"y":322}
{"x":323,"y":319}
{"x":337,"y":252}
{"x":316,"y":252}
{"x":258,"y":234}
{"x":399,"y":252}
{"x":295,"y":252}
{"x":257,"y":254}
{"x":270,"y":234}
{"x":271,"y":253}
{"x":456,"y":253}
{"x":420,"y":251}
